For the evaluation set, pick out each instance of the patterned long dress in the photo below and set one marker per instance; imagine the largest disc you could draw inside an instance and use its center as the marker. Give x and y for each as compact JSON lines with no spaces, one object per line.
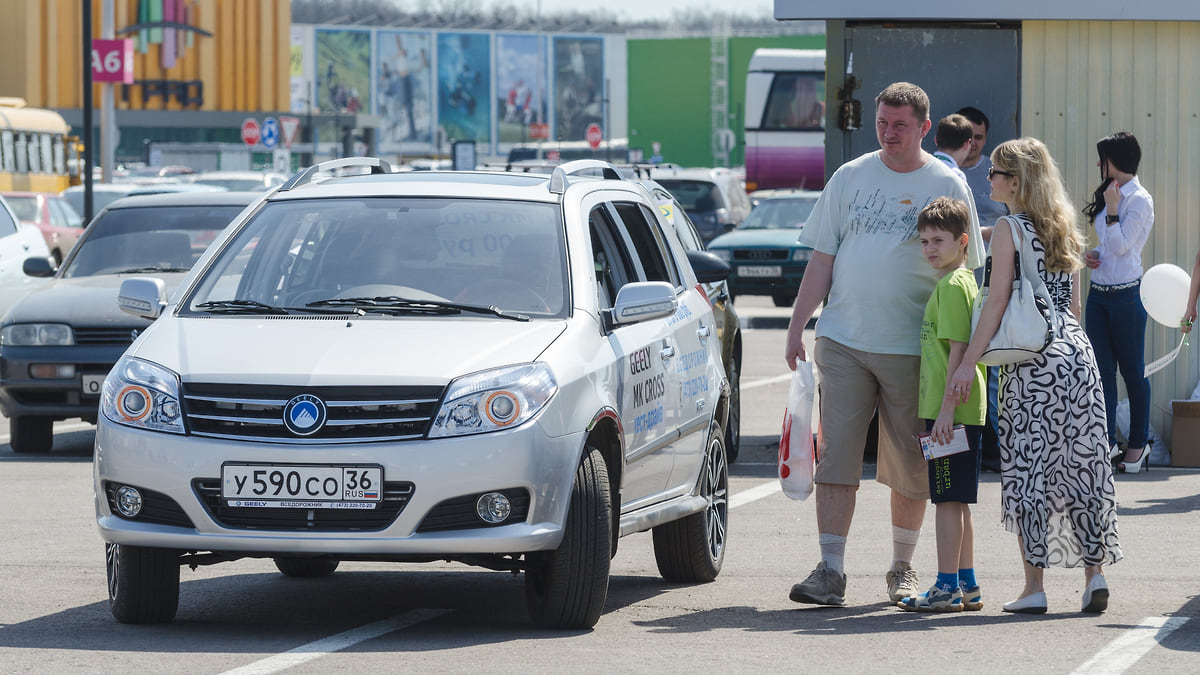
{"x":1056,"y":482}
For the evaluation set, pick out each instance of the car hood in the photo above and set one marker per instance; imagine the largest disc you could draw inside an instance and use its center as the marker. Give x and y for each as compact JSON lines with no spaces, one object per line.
{"x":308,"y":350}
{"x":82,"y":301}
{"x":751,"y":238}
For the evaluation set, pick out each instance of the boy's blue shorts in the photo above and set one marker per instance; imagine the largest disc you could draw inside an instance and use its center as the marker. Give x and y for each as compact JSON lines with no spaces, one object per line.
{"x":955,"y":478}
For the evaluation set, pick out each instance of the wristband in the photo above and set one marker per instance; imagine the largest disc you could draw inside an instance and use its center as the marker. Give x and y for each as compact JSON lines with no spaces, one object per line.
{"x":1111,"y":219}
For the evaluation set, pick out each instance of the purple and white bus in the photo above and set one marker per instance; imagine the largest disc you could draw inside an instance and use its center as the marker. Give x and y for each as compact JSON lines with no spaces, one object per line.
{"x":785,"y":119}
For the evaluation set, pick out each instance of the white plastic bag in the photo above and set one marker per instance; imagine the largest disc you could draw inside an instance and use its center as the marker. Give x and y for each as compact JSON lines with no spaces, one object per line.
{"x":797,"y":456}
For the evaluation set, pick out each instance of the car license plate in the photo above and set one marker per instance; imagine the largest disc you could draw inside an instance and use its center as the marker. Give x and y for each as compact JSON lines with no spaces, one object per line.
{"x":760,"y":271}
{"x":92,"y":385}
{"x":301,"y":486}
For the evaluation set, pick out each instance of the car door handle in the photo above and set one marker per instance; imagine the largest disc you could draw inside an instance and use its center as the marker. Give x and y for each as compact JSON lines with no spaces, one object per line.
{"x":704,"y":332}
{"x":666,"y":353}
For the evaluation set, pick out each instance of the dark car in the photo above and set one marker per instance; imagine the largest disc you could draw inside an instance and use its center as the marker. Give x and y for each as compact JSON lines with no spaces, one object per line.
{"x":58,"y":343}
{"x":715,"y":199}
{"x":764,"y":254}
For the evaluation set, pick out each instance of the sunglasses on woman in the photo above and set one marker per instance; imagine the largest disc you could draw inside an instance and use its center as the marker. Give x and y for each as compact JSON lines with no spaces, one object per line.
{"x":997,"y":172}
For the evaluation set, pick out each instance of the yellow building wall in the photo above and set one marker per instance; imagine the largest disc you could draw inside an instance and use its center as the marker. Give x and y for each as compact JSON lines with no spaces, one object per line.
{"x":244,"y":65}
{"x":1083,"y":80}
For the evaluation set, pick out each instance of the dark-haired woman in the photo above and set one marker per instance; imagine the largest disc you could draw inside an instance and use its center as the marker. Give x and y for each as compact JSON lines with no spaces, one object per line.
{"x":1123,"y":213}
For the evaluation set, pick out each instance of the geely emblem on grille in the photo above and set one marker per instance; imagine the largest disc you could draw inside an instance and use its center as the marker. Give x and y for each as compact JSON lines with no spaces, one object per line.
{"x":304,"y":415}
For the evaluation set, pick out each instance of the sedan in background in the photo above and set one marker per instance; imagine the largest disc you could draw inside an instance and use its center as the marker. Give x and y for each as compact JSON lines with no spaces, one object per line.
{"x":59,"y":222}
{"x":763,"y":252}
{"x":18,"y":241}
{"x":248,"y":181}
{"x":59,"y":341}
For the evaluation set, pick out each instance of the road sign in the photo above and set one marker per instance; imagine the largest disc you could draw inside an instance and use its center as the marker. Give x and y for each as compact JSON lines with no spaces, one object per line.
{"x":281,"y":160}
{"x":288,"y":127}
{"x":112,"y":61}
{"x":250,"y":131}
{"x":594,"y":135}
{"x":270,"y":133}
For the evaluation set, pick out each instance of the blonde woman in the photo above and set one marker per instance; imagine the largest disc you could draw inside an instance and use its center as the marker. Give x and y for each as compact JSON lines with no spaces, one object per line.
{"x":1056,"y":480}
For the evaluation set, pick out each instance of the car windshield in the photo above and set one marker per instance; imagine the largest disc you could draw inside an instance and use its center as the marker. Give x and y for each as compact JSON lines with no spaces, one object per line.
{"x":781,"y":213}
{"x":148,"y":239}
{"x":693,"y":195}
{"x":391,"y":257}
{"x":26,"y":207}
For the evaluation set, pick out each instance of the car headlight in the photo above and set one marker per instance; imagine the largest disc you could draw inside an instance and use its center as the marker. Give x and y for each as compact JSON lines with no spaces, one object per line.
{"x":493,"y":400}
{"x":141,"y":394}
{"x":801,"y":254}
{"x":37,"y":335}
{"x":722,"y":253}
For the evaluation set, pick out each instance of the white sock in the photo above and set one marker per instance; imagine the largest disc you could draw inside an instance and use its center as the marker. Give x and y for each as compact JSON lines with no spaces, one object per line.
{"x":904,"y":544}
{"x":833,"y":552}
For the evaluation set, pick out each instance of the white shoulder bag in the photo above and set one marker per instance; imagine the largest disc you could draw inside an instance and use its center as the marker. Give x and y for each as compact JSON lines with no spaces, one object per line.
{"x":1027,"y":327}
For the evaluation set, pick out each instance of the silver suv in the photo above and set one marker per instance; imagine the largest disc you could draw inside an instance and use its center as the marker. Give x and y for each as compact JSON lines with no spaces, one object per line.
{"x":500,"y":369}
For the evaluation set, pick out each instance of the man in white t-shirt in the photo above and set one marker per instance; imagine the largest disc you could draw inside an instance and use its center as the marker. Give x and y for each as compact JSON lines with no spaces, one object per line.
{"x":867,"y":258}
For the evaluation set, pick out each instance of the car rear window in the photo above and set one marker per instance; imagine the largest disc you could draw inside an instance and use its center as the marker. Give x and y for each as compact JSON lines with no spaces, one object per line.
{"x":693,"y":195}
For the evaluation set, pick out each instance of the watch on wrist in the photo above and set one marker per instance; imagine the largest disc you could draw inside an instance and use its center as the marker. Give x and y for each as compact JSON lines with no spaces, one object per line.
{"x":1112,"y":219}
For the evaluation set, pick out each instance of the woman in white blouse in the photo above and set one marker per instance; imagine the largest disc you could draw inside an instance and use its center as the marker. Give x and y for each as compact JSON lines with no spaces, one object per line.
{"x":1123,"y":213}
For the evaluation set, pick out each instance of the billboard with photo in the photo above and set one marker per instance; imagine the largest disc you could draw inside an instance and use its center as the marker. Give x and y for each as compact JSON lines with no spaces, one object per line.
{"x":464,"y":84}
{"x":520,"y":86}
{"x":578,"y":86}
{"x":404,"y":91}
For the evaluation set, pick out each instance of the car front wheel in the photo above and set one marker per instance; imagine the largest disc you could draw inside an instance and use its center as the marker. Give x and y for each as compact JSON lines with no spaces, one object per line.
{"x":143,"y":583}
{"x":566,"y":587}
{"x":31,"y":434}
{"x":692,"y":549}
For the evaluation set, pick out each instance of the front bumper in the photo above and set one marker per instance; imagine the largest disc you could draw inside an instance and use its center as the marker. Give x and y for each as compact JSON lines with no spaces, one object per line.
{"x":23,"y":395}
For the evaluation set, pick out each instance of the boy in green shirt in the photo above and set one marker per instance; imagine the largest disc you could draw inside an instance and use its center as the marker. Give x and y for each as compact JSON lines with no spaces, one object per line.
{"x":953,"y":479}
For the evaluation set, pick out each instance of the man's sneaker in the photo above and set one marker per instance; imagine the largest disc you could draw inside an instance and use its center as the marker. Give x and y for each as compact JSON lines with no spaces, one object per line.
{"x":972,"y":598}
{"x":934,"y":600}
{"x":901,"y":581}
{"x":823,"y":587}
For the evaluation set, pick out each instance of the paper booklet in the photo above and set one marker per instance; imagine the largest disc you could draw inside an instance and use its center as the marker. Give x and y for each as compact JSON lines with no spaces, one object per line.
{"x":932,"y":449}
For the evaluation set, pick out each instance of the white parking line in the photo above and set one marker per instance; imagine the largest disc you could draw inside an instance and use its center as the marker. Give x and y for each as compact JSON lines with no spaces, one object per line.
{"x":1132,"y":645}
{"x":765,"y":381}
{"x":754,"y":494}
{"x":335,"y":643}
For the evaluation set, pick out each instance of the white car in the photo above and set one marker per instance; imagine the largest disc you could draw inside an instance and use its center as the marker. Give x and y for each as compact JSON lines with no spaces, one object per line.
{"x":506,"y":370}
{"x":18,"y":241}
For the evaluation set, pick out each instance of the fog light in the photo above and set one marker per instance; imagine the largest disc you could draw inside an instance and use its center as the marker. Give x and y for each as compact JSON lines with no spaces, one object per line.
{"x":129,"y":501}
{"x":493,"y":507}
{"x":52,"y":371}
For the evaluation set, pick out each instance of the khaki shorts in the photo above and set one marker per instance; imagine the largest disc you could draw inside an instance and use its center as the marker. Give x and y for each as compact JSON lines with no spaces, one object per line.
{"x":853,"y":384}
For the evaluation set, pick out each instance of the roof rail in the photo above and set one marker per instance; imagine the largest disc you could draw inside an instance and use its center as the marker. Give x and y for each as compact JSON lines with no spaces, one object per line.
{"x":558,"y":179}
{"x":306,"y":176}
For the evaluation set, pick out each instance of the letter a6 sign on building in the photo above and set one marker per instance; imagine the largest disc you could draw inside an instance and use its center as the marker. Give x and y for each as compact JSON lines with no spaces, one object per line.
{"x":112,"y":61}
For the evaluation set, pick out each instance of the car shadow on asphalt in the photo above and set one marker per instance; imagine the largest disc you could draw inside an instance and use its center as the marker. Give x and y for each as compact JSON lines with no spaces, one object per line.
{"x":70,"y":446}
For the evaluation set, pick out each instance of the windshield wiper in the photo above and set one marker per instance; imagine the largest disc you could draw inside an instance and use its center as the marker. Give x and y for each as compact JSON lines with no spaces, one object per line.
{"x":239,"y":307}
{"x":392,"y":303}
{"x":152,"y":268}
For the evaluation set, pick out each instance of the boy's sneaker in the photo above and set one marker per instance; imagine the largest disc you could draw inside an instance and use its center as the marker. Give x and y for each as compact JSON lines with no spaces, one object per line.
{"x":823,"y":587}
{"x":902,"y":581}
{"x":972,"y":598}
{"x":934,"y":600}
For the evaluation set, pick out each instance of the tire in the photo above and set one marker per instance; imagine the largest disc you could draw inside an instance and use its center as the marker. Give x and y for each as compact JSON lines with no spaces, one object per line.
{"x":783,"y":299}
{"x":733,"y":426}
{"x":692,"y":549}
{"x":143,"y":583}
{"x":567,"y":587}
{"x":306,"y":568}
{"x":31,"y":435}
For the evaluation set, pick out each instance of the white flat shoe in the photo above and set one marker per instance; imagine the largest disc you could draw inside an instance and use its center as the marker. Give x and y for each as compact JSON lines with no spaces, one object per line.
{"x":1095,"y":596}
{"x":1034,"y":603}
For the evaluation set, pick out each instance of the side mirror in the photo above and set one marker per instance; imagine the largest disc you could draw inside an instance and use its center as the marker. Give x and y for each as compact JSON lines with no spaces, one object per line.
{"x":39,"y":267}
{"x":643,"y":300}
{"x":708,"y":267}
{"x":143,"y":297}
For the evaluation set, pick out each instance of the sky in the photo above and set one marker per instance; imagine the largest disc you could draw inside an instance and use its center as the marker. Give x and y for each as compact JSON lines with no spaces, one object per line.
{"x":637,"y":10}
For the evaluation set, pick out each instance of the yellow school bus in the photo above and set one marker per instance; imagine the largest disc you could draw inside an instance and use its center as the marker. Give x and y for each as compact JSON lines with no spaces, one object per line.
{"x":37,"y":152}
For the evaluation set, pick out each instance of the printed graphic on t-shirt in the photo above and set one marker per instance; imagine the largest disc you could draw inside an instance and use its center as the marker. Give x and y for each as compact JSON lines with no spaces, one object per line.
{"x":873,"y":212}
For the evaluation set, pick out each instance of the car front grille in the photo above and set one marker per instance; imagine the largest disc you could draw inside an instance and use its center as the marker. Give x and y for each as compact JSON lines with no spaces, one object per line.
{"x":760,"y":254}
{"x":355,"y":414}
{"x":106,"y":336}
{"x":396,"y":495}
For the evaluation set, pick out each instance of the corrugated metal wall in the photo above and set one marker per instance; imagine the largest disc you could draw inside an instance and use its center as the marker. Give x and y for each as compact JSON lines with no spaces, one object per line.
{"x":243,"y":66}
{"x":1082,"y":80}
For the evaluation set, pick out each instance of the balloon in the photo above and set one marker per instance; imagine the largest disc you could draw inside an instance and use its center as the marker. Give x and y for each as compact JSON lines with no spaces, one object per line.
{"x":1165,"y":293}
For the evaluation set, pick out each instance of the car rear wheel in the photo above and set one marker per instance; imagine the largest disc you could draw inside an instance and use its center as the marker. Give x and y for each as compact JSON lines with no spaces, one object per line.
{"x":307,"y":568}
{"x":31,"y":434}
{"x":692,"y":549}
{"x":143,"y":583}
{"x":566,"y":587}
{"x":733,"y":426}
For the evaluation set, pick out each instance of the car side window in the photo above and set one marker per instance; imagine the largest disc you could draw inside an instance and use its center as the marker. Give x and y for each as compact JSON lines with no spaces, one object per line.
{"x":647,"y":242}
{"x":613,"y":267}
{"x":7,"y":224}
